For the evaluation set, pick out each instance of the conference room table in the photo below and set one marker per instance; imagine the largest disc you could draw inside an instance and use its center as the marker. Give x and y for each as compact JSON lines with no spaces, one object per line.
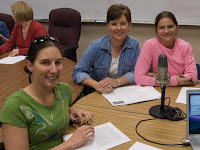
{"x":126,"y":117}
{"x":13,"y":77}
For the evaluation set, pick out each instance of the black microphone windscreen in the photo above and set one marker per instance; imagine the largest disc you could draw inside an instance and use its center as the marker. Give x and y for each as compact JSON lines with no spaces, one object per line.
{"x":162,"y":61}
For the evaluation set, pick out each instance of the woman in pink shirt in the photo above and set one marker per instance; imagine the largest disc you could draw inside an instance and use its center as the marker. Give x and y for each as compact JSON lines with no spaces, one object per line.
{"x":25,"y":30}
{"x":179,"y":55}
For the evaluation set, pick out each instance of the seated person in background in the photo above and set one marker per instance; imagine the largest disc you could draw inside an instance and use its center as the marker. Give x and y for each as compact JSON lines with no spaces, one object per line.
{"x":179,"y":55}
{"x":110,"y":61}
{"x":37,"y":116}
{"x":4,"y":33}
{"x":25,"y":30}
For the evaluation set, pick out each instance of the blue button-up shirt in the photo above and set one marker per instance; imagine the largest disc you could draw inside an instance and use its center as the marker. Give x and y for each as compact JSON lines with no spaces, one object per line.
{"x":4,"y":31}
{"x":96,"y":60}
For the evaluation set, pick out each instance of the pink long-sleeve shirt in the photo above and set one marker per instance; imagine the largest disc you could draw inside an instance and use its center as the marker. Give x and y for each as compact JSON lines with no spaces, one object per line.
{"x":180,"y":60}
{"x":35,"y":30}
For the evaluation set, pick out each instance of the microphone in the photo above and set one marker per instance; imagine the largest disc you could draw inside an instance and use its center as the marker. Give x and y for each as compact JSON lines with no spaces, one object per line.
{"x":162,"y":78}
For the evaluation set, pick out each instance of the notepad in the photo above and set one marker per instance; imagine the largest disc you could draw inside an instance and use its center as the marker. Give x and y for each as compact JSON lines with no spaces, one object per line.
{"x":12,"y":60}
{"x":132,"y":94}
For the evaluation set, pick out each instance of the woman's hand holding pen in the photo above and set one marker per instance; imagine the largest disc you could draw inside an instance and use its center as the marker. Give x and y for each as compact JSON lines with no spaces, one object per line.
{"x":184,"y":81}
{"x":73,"y":114}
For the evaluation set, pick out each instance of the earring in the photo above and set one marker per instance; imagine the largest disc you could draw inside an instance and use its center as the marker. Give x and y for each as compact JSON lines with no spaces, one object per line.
{"x":29,"y":77}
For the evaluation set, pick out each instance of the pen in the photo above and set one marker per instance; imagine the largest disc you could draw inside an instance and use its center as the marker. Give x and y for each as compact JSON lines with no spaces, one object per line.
{"x":180,"y":75}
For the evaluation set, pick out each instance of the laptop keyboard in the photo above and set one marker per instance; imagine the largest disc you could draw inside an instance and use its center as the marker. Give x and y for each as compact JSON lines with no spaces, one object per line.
{"x":198,"y":139}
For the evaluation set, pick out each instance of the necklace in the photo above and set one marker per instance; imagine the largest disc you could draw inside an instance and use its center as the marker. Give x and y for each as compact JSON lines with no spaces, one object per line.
{"x":24,"y":31}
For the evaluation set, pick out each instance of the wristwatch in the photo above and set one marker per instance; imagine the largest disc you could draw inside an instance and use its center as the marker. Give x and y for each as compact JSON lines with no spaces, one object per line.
{"x":118,"y":81}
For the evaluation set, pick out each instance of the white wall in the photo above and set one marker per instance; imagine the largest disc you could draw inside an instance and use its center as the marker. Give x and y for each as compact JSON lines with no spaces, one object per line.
{"x":142,"y":32}
{"x":187,"y":12}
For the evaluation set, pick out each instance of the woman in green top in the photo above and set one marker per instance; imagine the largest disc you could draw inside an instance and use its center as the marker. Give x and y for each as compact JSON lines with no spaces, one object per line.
{"x":36,"y":116}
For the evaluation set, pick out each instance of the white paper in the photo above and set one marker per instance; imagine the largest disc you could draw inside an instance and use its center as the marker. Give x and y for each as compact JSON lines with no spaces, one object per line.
{"x":141,"y":146}
{"x":182,"y":95}
{"x":106,"y":136}
{"x":12,"y":60}
{"x":132,"y":94}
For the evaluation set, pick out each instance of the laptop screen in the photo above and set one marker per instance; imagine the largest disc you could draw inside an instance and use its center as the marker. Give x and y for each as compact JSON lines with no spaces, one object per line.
{"x":194,"y":113}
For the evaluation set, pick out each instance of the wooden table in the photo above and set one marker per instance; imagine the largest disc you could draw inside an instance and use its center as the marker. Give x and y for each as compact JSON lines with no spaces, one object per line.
{"x":126,"y":117}
{"x":13,"y":77}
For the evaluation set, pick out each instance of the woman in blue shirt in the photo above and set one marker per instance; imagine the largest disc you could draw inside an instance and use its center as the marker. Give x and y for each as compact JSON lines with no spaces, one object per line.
{"x":110,"y":61}
{"x":4,"y":33}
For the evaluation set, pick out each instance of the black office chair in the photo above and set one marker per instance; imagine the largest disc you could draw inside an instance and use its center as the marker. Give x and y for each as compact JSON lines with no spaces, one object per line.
{"x":65,"y":25}
{"x":8,"y":20}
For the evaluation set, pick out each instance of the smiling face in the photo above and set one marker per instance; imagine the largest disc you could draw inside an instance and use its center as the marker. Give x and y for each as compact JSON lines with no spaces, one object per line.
{"x":119,"y":28}
{"x":47,"y":67}
{"x":166,"y":31}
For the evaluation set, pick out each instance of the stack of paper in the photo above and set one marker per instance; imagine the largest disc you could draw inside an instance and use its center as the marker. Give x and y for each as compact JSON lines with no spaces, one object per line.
{"x":182,"y":95}
{"x":12,"y":60}
{"x":132,"y":94}
{"x":106,"y":136}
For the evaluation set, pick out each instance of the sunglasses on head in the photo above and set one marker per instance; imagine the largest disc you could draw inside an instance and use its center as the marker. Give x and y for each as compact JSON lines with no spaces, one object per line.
{"x":42,"y":39}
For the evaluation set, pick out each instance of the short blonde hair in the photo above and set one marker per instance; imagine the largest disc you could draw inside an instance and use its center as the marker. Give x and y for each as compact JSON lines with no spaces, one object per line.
{"x":22,"y":11}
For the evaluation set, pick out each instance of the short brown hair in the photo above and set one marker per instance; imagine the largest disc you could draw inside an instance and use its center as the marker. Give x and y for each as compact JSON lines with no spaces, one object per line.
{"x":22,"y":11}
{"x":165,"y":14}
{"x":116,"y":11}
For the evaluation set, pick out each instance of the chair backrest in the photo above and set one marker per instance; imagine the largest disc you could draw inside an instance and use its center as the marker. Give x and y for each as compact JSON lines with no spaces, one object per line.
{"x":198,"y":71}
{"x":65,"y":25}
{"x":8,"y":20}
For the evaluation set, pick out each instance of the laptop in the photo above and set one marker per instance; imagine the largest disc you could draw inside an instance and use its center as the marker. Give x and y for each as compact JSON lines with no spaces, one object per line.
{"x":193,"y":118}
